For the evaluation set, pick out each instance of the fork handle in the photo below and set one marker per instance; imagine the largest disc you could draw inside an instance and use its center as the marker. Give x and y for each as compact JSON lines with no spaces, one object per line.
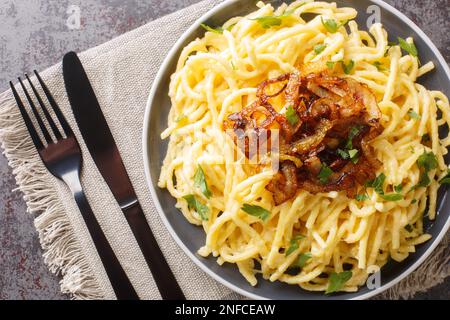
{"x":119,"y":280}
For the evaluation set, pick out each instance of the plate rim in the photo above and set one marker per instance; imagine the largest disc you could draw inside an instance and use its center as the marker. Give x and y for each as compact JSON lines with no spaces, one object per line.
{"x":146,"y":131}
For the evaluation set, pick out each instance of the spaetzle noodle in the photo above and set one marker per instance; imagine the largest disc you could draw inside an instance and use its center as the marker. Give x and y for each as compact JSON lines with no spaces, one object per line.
{"x":218,"y":74}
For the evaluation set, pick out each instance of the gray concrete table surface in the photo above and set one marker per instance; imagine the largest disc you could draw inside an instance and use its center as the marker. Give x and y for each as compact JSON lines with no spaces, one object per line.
{"x":34,"y":35}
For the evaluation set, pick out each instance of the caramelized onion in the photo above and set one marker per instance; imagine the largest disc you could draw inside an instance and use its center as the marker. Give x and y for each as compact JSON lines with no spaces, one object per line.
{"x":284,"y":185}
{"x":308,"y":143}
{"x":331,"y":113}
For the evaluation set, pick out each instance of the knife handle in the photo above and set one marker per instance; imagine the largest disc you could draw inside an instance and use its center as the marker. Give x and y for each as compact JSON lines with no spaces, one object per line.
{"x":119,"y":280}
{"x":164,"y":278}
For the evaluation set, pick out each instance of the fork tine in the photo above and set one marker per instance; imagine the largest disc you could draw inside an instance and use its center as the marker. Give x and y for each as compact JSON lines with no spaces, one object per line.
{"x":28,"y":123}
{"x":41,"y":124}
{"x":54,"y":106}
{"x":44,"y":109}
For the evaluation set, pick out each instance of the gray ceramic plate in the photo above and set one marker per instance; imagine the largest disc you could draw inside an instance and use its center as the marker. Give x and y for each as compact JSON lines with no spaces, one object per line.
{"x":190,"y":237}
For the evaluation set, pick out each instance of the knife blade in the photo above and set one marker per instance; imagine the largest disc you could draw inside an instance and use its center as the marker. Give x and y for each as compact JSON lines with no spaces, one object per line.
{"x":103,"y":149}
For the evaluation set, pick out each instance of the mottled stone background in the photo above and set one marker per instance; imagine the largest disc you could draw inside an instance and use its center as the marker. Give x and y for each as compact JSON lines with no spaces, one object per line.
{"x":34,"y":35}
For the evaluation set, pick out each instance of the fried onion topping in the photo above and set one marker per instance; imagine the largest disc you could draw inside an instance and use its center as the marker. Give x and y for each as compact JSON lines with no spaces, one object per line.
{"x":325,"y":128}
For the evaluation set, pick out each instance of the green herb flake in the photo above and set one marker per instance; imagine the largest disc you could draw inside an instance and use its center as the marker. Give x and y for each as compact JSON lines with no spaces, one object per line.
{"x":413,"y":201}
{"x":408,"y":47}
{"x":379,"y":66}
{"x":424,"y":181}
{"x":291,"y":116}
{"x":392,"y":196}
{"x":302,"y":260}
{"x":331,"y":25}
{"x":293,"y":245}
{"x":398,"y":188}
{"x":200,"y":182}
{"x":348,"y":67}
{"x":354,"y":132}
{"x":199,"y":207}
{"x":211,"y":29}
{"x":353,"y":154}
{"x":377,"y":183}
{"x":362,"y":197}
{"x":330,"y":64}
{"x":337,"y":281}
{"x":269,"y":21}
{"x":256,"y":211}
{"x":233,"y":66}
{"x":409,"y":228}
{"x":428,"y":161}
{"x":413,"y":115}
{"x":318,"y":48}
{"x":324,"y":174}
{"x":446,"y":179}
{"x":343,"y":154}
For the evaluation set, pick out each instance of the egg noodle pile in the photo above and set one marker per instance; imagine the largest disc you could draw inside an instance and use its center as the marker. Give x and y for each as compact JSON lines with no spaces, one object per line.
{"x":327,"y":234}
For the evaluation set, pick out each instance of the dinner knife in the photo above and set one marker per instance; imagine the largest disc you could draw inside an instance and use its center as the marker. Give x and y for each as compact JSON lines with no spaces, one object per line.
{"x":104,"y":151}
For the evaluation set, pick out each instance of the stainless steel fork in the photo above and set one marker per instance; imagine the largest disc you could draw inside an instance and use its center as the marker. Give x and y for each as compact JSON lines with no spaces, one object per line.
{"x":63,"y":159}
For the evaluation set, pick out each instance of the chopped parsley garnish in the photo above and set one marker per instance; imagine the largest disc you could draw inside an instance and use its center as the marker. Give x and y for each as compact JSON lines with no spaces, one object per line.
{"x":377,"y":183}
{"x":291,"y":116}
{"x":427,"y":162}
{"x":256,"y":211}
{"x":424,"y":180}
{"x":413,"y":201}
{"x":362,"y":197}
{"x":293,"y":245}
{"x":199,"y":207}
{"x":409,"y":228}
{"x":318,"y":48}
{"x":343,"y":154}
{"x":324,"y":174}
{"x":348,"y":67}
{"x":348,"y":154}
{"x":301,"y":260}
{"x":211,"y":29}
{"x":446,"y":179}
{"x":337,"y":281}
{"x":379,"y":66}
{"x":413,"y":115}
{"x":354,"y":131}
{"x":353,"y":154}
{"x":269,"y":21}
{"x":331,"y":25}
{"x":200,"y":182}
{"x":408,"y":47}
{"x":398,"y":188}
{"x":392,"y":196}
{"x":330,"y":64}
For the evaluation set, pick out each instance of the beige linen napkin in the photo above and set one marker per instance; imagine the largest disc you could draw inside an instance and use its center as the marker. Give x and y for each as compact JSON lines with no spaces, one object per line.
{"x":121,"y":72}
